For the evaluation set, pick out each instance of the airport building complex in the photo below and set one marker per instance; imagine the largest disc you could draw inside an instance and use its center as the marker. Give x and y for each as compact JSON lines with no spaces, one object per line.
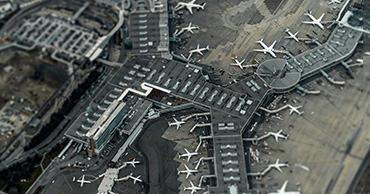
{"x":125,"y":118}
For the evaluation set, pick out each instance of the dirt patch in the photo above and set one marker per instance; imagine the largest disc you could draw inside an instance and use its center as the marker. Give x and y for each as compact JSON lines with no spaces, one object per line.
{"x":273,"y":5}
{"x":250,"y":16}
{"x":28,"y":76}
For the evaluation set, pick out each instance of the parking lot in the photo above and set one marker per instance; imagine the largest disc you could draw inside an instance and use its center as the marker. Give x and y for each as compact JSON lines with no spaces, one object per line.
{"x":69,"y":40}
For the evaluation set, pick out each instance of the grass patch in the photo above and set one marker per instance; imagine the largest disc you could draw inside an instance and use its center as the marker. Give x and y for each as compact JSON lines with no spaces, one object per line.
{"x":24,"y":186}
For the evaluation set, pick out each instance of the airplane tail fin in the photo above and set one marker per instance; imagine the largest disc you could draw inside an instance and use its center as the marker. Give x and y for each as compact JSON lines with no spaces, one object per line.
{"x":207,"y":47}
{"x":287,"y":30}
{"x":202,"y":5}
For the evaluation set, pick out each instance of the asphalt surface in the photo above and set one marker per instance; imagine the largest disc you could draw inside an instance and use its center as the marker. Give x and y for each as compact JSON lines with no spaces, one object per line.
{"x":159,"y":151}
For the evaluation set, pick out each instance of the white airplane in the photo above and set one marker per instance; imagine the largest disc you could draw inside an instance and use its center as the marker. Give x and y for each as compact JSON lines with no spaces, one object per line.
{"x":189,"y":6}
{"x":277,"y":135}
{"x":266,"y":49}
{"x":187,"y":171}
{"x":282,"y":190}
{"x":314,"y":20}
{"x":277,"y":165}
{"x":291,"y":35}
{"x":136,"y":178}
{"x":188,"y":154}
{"x":83,"y":181}
{"x":191,"y":28}
{"x":133,"y":162}
{"x":176,"y":123}
{"x":192,"y":188}
{"x":199,"y":50}
{"x":334,"y":1}
{"x":238,"y":63}
{"x":188,"y":29}
{"x":295,"y":109}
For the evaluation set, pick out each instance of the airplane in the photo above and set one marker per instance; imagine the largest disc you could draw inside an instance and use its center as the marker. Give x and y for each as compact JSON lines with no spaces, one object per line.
{"x":277,"y":165}
{"x":188,"y":29}
{"x":192,"y":188}
{"x":188,"y":154}
{"x":277,"y":135}
{"x":82,"y":181}
{"x":291,"y":35}
{"x":314,"y":20}
{"x":334,"y":1}
{"x":189,"y":6}
{"x":237,"y":63}
{"x":295,"y":109}
{"x":136,"y":178}
{"x":133,"y":162}
{"x":191,"y":28}
{"x":282,"y":190}
{"x":187,"y":171}
{"x":266,"y":49}
{"x":176,"y":123}
{"x":199,"y":50}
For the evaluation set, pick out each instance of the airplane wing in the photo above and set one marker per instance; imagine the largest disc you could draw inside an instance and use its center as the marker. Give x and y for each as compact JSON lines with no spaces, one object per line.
{"x":186,"y":150}
{"x":260,"y":50}
{"x":283,"y":187}
{"x":178,"y":126}
{"x":200,"y":52}
{"x":187,"y":175}
{"x":187,"y":168}
{"x":321,"y":17}
{"x":296,"y":34}
{"x":273,"y":44}
{"x":189,"y":156}
{"x":175,"y":119}
{"x":234,"y":64}
{"x":190,"y":8}
{"x":191,"y":183}
{"x":272,"y":53}
{"x":279,"y":169}
{"x":308,"y":22}
{"x":192,"y":2}
{"x":321,"y":26}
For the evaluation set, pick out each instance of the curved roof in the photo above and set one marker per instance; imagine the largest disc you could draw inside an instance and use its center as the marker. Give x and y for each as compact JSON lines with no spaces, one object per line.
{"x":275,"y":73}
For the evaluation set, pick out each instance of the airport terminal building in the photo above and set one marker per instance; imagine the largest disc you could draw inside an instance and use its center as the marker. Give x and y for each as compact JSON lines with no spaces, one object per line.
{"x":103,"y":129}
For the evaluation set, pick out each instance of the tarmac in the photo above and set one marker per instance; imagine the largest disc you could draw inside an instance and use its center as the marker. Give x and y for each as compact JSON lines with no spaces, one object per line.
{"x":332,"y":142}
